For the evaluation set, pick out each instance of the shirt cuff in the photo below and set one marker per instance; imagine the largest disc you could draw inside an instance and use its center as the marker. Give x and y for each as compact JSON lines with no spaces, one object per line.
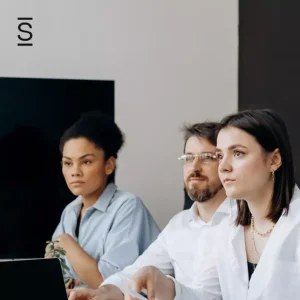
{"x":119,"y":280}
{"x":107,"y":269}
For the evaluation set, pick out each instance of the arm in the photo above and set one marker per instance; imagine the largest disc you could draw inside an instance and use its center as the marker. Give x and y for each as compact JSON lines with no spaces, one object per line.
{"x":122,"y":244}
{"x":132,"y":231}
{"x":115,"y":286}
{"x":158,"y":286}
{"x":161,"y":287}
{"x":156,"y":255}
{"x":107,"y":292}
{"x":85,"y":266}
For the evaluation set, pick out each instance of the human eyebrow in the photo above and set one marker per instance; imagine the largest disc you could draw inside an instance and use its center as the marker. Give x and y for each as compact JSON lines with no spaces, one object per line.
{"x":232,"y":147}
{"x":86,"y":155}
{"x":237,"y":146}
{"x":81,"y":157}
{"x":66,"y":157}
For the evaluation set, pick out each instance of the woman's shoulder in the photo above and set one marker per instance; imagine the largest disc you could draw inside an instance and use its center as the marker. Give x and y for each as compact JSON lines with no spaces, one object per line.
{"x":127,"y":199}
{"x":125,"y":196}
{"x":77,"y":202}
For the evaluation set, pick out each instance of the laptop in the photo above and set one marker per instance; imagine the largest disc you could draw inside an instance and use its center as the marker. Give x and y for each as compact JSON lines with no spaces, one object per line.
{"x":33,"y":279}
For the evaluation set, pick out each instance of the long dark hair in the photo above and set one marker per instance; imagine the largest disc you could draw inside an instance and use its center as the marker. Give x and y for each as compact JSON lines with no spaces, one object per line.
{"x":270,"y":132}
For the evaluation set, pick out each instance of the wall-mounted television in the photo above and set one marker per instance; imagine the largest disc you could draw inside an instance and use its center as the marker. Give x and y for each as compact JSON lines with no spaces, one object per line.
{"x":33,"y":115}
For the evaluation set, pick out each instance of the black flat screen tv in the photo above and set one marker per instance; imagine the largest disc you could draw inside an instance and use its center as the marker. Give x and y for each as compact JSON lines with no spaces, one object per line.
{"x":34,"y":113}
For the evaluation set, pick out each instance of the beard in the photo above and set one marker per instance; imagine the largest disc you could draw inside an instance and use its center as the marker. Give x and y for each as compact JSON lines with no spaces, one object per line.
{"x":202,"y":194}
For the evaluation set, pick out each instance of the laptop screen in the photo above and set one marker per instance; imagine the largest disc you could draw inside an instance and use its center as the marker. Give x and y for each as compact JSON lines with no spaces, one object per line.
{"x":32,"y":279}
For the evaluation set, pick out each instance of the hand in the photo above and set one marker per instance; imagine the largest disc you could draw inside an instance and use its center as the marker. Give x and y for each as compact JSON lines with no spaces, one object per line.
{"x":48,"y":254}
{"x":83,"y":294}
{"x":72,"y":283}
{"x":105,"y":292}
{"x":63,"y":241}
{"x":158,"y":285}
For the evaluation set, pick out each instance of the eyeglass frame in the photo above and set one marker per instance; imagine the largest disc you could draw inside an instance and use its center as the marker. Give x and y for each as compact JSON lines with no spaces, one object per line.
{"x":203,"y":157}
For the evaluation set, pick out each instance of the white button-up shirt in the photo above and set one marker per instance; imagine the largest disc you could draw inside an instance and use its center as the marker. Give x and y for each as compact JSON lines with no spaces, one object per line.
{"x":184,"y":238}
{"x":276,"y":277}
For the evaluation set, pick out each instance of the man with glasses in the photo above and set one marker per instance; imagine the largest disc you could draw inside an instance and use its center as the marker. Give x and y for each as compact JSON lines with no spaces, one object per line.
{"x":186,"y":243}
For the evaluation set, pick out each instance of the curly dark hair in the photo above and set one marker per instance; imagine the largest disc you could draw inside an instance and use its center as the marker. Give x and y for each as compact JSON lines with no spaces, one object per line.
{"x":99,"y":129}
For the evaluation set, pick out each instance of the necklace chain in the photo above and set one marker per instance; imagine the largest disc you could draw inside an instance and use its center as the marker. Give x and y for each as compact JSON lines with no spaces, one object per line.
{"x":253,"y":230}
{"x":260,"y":233}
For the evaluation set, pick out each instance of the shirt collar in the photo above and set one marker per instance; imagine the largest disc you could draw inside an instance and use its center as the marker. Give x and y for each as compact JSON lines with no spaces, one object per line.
{"x":105,"y":198}
{"x":102,"y":202}
{"x":193,"y":213}
{"x":226,"y":208}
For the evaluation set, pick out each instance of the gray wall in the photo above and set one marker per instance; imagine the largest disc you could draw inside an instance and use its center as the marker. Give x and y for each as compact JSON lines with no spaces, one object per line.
{"x":172,"y":61}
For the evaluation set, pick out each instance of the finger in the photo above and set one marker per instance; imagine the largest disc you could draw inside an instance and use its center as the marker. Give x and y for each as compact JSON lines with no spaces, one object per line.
{"x":136,"y":284}
{"x":128,"y":297}
{"x":48,"y":255}
{"x":80,"y":294}
{"x":72,"y":296}
{"x":150,"y":289}
{"x":68,"y":285}
{"x":135,"y":291}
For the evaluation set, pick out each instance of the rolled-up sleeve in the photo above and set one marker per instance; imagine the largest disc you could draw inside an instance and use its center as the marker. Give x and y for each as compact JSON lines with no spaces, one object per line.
{"x":132,"y":231}
{"x":183,"y":292}
{"x":156,"y":255}
{"x":206,"y":287}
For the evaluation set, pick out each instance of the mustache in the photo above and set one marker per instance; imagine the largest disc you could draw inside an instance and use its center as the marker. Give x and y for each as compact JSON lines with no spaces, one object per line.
{"x":196,"y":174}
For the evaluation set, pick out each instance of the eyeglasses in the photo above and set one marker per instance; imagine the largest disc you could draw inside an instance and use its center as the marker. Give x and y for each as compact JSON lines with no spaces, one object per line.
{"x":204,"y":157}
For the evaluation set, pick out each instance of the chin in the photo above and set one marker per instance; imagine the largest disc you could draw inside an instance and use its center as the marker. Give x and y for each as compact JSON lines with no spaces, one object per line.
{"x":233,"y":193}
{"x":76,"y":192}
{"x":197,"y":185}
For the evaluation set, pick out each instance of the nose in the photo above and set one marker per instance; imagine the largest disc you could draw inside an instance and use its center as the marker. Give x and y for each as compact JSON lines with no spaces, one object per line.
{"x":76,"y":171}
{"x":225,"y":165}
{"x":196,"y":164}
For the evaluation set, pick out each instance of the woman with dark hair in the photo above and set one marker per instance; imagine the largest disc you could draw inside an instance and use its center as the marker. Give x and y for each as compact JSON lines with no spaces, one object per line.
{"x":258,"y":255}
{"x":104,"y":229}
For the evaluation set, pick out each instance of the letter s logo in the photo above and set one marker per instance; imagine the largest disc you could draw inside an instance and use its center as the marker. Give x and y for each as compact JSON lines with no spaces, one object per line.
{"x":22,"y":30}
{"x":25,"y":27}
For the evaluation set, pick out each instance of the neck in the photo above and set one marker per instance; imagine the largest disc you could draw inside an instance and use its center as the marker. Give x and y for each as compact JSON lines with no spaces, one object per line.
{"x":90,"y":199}
{"x":259,"y":206}
{"x":207,"y":209}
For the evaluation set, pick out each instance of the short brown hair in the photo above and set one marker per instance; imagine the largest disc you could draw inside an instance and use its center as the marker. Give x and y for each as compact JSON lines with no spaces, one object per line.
{"x":207,"y":130}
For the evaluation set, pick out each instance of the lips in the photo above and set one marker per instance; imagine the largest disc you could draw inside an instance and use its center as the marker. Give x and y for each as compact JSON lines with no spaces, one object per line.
{"x":227,"y":180}
{"x":76,"y":182}
{"x":197,"y":178}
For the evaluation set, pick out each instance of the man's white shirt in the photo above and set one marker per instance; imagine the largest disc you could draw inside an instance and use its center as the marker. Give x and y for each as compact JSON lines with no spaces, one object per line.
{"x":183,"y":248}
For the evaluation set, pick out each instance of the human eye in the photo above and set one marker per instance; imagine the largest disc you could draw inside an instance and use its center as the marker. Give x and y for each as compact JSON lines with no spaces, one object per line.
{"x":187,"y":157}
{"x":219,"y":155}
{"x":87,"y":162}
{"x":210,"y":156}
{"x":238,"y":153}
{"x":66,"y":163}
{"x":205,"y":157}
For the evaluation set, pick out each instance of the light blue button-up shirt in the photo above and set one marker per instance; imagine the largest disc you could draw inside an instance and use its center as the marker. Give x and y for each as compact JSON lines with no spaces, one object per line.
{"x":114,"y":231}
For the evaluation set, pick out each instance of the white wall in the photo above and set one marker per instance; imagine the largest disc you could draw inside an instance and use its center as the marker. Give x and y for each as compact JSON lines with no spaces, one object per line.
{"x":172,"y":61}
